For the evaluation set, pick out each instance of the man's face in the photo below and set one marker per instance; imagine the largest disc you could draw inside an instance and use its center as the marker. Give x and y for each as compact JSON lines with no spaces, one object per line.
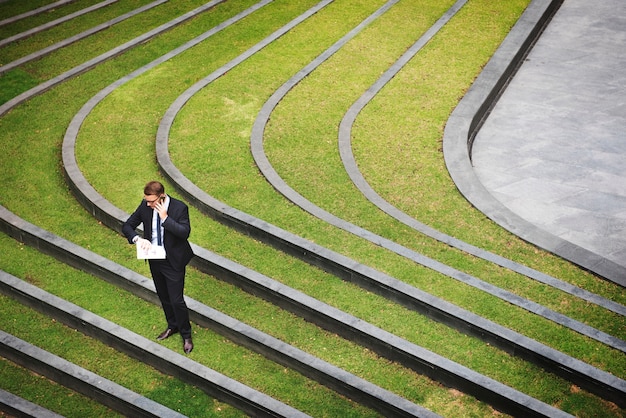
{"x":151,"y":200}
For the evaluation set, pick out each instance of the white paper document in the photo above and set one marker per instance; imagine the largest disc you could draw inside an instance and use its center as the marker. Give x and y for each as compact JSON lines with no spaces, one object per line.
{"x":155,"y":252}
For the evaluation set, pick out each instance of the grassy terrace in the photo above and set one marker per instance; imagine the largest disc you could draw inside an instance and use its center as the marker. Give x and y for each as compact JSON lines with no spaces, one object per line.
{"x":397,"y":140}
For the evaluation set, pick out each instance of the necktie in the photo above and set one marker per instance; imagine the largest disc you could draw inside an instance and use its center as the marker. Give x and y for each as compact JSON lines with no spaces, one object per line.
{"x":158,"y":226}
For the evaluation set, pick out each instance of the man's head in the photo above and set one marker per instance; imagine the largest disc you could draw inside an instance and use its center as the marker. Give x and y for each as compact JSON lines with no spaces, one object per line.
{"x":153,"y":191}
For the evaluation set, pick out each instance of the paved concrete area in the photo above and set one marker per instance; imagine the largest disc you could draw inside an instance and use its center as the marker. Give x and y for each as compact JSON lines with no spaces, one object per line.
{"x":553,"y":150}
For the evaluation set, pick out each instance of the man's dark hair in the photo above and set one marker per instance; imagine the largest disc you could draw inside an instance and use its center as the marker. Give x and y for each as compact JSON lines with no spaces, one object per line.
{"x":153,"y":188}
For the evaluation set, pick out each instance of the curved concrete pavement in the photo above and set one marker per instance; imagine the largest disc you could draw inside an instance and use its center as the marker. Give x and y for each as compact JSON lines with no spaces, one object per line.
{"x":551,"y":153}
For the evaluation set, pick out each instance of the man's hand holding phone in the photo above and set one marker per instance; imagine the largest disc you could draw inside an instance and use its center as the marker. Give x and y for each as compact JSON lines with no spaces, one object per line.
{"x":160,"y":208}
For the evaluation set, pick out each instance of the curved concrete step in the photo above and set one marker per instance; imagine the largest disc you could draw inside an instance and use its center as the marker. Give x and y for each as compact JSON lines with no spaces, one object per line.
{"x":54,"y":23}
{"x":58,"y":45}
{"x":20,"y":407}
{"x":81,"y":380}
{"x":167,"y":361}
{"x":86,"y":66}
{"x":34,"y":12}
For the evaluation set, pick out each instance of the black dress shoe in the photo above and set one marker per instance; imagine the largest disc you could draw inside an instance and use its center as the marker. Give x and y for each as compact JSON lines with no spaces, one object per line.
{"x":166,"y":334}
{"x":187,"y":345}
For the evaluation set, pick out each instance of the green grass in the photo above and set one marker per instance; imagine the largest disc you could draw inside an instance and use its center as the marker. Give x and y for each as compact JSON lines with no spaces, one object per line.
{"x":210,"y":145}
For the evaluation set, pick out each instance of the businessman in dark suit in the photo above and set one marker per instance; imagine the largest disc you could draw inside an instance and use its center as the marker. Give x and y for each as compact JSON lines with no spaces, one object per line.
{"x":165,"y":223}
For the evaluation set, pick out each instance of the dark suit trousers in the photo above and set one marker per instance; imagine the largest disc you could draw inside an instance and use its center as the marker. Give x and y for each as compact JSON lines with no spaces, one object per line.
{"x":169,"y":285}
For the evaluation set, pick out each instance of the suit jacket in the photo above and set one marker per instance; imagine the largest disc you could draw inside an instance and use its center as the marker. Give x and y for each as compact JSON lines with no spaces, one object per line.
{"x":176,"y":230}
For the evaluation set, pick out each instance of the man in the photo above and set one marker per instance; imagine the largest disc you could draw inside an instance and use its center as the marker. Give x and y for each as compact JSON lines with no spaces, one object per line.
{"x":165,"y":223}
